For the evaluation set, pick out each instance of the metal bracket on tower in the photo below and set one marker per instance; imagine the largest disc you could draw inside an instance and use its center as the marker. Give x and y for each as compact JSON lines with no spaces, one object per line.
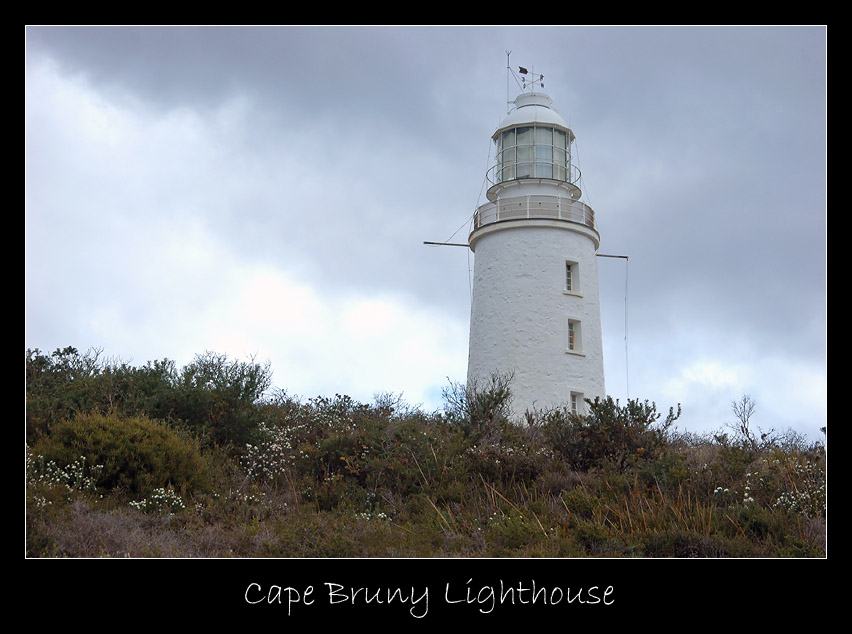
{"x":447,"y":244}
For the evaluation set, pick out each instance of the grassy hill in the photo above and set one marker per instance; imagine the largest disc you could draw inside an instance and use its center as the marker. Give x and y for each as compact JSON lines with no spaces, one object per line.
{"x":209,"y":461}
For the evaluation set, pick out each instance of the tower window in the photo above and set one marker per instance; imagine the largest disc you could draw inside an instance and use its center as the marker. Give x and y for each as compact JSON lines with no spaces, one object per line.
{"x":576,"y":403}
{"x":573,"y":337}
{"x":572,"y":277}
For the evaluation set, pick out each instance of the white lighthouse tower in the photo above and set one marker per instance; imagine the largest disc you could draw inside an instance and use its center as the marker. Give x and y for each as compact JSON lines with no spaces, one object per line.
{"x":535,"y":309}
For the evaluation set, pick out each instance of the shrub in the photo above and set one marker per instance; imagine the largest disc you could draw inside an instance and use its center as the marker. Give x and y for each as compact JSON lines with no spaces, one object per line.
{"x":136,"y":454}
{"x":271,"y":456}
{"x":217,"y":399}
{"x":59,"y":385}
{"x":158,"y":500}
{"x":667,"y":470}
{"x":609,"y":435}
{"x":479,"y":413}
{"x":681,"y":543}
{"x":506,"y":532}
{"x":214,"y":397}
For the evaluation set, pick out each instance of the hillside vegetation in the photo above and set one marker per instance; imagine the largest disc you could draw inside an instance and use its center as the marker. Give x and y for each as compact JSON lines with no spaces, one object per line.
{"x":209,"y":460}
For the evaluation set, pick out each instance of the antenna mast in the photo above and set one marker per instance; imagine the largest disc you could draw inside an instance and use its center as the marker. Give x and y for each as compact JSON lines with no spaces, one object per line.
{"x":508,"y":73}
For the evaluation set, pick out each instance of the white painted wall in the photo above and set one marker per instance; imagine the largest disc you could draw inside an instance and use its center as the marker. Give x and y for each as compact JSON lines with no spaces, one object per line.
{"x":520,"y":311}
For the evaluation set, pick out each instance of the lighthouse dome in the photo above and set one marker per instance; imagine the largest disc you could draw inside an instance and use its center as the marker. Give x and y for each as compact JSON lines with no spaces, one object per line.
{"x":532,"y":108}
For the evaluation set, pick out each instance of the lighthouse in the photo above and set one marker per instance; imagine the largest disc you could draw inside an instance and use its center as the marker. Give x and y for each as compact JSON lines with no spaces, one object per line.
{"x":535,"y":306}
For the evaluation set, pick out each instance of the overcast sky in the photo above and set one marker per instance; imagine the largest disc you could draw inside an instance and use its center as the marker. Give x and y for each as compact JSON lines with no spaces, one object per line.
{"x":265,"y":193}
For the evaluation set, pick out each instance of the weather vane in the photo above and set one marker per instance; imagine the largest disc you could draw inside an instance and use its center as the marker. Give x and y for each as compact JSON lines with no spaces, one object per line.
{"x":523,"y":77}
{"x":533,"y":78}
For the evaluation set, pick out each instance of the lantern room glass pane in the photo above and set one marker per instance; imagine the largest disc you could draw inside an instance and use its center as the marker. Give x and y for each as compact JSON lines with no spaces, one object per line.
{"x":544,"y":152}
{"x":560,"y":156}
{"x":525,"y":155}
{"x":506,"y":156}
{"x":543,"y":136}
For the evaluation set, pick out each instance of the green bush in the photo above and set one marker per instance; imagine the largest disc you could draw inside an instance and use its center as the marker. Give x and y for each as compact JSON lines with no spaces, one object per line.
{"x":214,"y":397}
{"x":136,"y":454}
{"x":667,"y":470}
{"x":217,"y":399}
{"x":479,"y":413}
{"x":610,"y":435}
{"x":59,"y":386}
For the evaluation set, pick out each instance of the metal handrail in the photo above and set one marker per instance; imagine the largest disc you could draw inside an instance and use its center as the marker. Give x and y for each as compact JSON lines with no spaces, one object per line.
{"x":497,"y":174}
{"x":549,"y":207}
